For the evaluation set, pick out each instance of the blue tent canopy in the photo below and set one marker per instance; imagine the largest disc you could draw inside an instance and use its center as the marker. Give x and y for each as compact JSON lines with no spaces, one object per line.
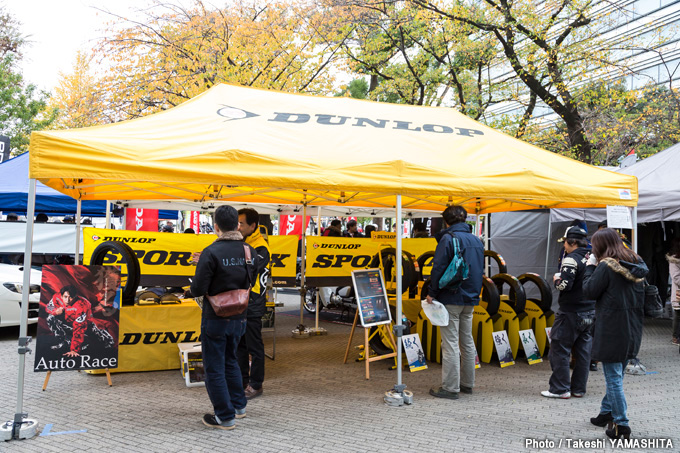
{"x":14,"y":194}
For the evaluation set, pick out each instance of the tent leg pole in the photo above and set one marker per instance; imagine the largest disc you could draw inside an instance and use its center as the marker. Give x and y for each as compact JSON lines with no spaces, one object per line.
{"x":318,"y":330}
{"x":301,"y":331}
{"x":24,"y":340}
{"x":399,"y":388}
{"x":635,"y":230}
{"x":79,"y":207}
{"x":547,"y":248}
{"x":108,"y":215}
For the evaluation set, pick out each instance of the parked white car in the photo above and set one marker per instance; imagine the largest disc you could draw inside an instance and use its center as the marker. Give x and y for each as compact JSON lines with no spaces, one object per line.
{"x":11,"y":287}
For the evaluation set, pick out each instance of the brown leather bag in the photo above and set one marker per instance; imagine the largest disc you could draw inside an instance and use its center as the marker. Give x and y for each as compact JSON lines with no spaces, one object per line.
{"x":235,"y":301}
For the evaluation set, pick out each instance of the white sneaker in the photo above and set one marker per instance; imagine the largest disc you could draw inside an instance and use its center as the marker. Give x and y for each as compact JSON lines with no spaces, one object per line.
{"x":634,"y":367}
{"x":563,"y":396}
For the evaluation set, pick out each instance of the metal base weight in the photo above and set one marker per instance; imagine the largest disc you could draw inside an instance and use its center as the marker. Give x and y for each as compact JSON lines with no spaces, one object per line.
{"x":301,"y":332}
{"x":28,"y":429}
{"x":396,"y":399}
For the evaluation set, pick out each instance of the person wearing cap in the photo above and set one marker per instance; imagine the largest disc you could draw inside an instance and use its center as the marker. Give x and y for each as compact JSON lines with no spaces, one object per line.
{"x":572,"y":331}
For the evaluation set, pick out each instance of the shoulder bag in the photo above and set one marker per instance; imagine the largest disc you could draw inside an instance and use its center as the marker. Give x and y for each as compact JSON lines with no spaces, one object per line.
{"x":653,"y":304}
{"x":457,"y":270}
{"x":235,"y":301}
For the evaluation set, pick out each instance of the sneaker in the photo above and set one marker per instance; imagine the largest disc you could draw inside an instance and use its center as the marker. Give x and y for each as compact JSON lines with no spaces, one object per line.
{"x":563,"y":396}
{"x":441,"y":393}
{"x":210,"y":421}
{"x":634,"y":367}
{"x":467,"y":390}
{"x":241,"y":413}
{"x":675,"y":342}
{"x":252,"y":393}
{"x":593,"y":366}
{"x":578,"y":394}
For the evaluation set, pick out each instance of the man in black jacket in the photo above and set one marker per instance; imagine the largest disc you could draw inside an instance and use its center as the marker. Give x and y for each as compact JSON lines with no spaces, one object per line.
{"x":251,"y":347}
{"x":221,"y":267}
{"x":572,"y":332}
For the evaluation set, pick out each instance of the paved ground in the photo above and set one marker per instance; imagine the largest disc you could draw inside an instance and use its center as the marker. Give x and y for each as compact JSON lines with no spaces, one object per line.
{"x":312,"y":402}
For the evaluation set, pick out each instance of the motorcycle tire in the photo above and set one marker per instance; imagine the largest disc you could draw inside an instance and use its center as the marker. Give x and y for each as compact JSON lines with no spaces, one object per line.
{"x":376,"y":343}
{"x":409,"y":277}
{"x":491,"y":296}
{"x":517,"y":296}
{"x":422,"y":259}
{"x":310,"y":301}
{"x":129,"y":258}
{"x":545,"y":290}
{"x":498,"y":259}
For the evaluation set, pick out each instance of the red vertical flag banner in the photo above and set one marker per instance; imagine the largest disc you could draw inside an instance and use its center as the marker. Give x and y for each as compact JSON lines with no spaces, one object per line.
{"x":194,"y":221}
{"x":292,"y":225}
{"x":141,"y":219}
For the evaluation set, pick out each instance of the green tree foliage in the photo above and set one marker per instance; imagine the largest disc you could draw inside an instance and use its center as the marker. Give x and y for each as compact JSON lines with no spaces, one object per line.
{"x":618,"y":121}
{"x":22,"y":106}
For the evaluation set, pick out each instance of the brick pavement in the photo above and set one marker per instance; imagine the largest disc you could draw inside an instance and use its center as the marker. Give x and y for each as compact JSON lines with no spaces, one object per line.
{"x":312,"y":402}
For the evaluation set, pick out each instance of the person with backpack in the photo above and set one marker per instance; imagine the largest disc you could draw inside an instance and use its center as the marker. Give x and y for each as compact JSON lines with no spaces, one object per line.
{"x":458,"y":258}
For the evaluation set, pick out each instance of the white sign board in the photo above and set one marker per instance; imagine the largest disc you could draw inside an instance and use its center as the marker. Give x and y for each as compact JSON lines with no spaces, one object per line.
{"x":619,"y":217}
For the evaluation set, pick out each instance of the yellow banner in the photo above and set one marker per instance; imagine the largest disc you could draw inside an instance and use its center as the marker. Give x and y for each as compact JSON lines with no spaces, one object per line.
{"x":331,"y":260}
{"x":165,"y":258}
{"x":149,"y":334}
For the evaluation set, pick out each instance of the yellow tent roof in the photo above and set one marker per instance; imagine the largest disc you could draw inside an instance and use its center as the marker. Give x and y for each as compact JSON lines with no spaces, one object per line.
{"x":244,"y":145}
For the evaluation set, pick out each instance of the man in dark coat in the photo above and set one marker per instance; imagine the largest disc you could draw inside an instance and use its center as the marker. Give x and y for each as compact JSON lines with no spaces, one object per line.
{"x":458,"y":361}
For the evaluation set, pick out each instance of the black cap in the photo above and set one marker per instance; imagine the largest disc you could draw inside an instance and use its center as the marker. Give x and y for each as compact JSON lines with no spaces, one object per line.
{"x":573,"y":232}
{"x":602,"y":224}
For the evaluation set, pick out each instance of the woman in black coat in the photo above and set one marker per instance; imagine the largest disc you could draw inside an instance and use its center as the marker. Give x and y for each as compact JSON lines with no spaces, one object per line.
{"x":614,"y":278}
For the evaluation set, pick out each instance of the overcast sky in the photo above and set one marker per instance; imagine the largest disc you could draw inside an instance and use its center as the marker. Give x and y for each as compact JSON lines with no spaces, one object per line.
{"x":57,"y":29}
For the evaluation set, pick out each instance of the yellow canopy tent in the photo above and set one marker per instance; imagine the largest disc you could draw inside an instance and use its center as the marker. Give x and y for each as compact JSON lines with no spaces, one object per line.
{"x":242,"y":145}
{"x":238,"y":144}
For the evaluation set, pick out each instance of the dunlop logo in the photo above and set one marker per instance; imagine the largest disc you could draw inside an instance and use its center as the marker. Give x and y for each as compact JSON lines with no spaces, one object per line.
{"x":132,"y":240}
{"x":130,"y":338}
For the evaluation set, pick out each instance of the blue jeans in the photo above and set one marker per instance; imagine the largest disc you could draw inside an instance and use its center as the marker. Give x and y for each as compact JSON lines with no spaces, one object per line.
{"x":219,"y":338}
{"x":614,"y":400}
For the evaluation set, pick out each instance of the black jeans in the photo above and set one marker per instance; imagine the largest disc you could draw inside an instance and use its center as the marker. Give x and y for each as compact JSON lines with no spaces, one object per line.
{"x":676,"y":323}
{"x":572,"y":333}
{"x":252,"y":345}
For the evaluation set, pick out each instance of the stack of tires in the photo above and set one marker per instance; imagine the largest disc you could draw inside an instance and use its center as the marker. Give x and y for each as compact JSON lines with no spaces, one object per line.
{"x":503,"y":306}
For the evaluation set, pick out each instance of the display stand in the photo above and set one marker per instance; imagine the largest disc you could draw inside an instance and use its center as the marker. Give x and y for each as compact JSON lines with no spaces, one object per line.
{"x":367,"y":355}
{"x":49,"y":374}
{"x":372,"y":310}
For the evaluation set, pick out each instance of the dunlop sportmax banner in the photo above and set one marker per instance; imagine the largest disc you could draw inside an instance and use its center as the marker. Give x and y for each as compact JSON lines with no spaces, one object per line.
{"x":330,"y":261}
{"x":165,"y":258}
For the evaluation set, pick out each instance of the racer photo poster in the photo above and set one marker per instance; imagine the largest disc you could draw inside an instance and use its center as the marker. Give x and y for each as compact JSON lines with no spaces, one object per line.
{"x":78,"y":318}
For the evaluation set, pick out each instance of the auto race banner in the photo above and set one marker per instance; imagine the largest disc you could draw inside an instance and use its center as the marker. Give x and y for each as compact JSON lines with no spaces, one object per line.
{"x":78,"y":318}
{"x":165,"y":258}
{"x":331,"y":260}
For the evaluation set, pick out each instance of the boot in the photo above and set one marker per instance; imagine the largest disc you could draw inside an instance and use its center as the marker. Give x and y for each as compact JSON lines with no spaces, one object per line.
{"x":602,"y":419}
